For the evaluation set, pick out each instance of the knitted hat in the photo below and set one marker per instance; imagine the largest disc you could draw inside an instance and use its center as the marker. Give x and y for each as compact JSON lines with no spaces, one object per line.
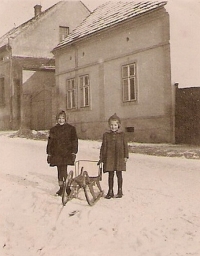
{"x":114,"y":118}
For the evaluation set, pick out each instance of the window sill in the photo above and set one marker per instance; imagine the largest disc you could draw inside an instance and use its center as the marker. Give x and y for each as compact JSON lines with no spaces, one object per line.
{"x":79,"y":109}
{"x":85,"y":108}
{"x":132,"y":102}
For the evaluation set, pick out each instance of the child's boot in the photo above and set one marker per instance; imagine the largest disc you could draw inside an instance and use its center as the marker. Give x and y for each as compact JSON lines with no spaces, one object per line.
{"x":110,"y":194}
{"x":119,"y":193}
{"x":110,"y":185}
{"x":60,"y":191}
{"x":119,"y":181}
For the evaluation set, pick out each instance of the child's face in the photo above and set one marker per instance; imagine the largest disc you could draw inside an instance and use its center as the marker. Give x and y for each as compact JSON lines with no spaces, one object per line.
{"x":61,"y":120}
{"x":114,"y":126}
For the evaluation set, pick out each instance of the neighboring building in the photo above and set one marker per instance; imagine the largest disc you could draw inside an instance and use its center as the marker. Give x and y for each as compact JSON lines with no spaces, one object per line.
{"x":118,"y":60}
{"x":27,"y":66}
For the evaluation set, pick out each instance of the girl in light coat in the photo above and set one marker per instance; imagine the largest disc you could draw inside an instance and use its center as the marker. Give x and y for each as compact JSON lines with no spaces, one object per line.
{"x":114,"y":154}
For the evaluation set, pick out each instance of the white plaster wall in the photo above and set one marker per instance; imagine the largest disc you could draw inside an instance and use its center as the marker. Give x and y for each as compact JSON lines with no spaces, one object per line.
{"x":144,"y":41}
{"x":42,"y":36}
{"x":147,"y":45}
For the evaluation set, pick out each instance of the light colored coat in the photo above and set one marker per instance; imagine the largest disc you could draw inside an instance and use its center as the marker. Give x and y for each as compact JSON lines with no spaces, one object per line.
{"x":113,"y":150}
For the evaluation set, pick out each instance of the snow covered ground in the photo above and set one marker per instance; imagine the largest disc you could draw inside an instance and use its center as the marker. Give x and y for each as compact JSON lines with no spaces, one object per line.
{"x":159,"y":214}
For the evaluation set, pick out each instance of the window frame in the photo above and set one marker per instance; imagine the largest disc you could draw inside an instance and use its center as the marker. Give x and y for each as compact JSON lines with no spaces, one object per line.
{"x":63,"y":32}
{"x":84,"y":91}
{"x":71,"y":94}
{"x":131,"y":80}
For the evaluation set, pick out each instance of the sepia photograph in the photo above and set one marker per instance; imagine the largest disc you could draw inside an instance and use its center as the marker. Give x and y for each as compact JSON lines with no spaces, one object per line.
{"x":99,"y":128}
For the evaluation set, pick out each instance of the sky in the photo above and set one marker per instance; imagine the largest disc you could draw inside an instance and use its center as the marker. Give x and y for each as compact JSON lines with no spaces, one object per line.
{"x":15,"y":12}
{"x":184,"y":24}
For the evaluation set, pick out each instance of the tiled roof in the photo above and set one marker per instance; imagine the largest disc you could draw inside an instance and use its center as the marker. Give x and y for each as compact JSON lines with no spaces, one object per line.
{"x":108,"y":15}
{"x":13,"y":33}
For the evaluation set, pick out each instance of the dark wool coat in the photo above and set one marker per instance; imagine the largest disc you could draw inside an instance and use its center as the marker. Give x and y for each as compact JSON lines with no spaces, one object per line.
{"x":62,"y":142}
{"x":113,"y":150}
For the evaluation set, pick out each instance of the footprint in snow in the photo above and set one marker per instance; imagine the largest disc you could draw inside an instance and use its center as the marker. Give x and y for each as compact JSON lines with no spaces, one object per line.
{"x":73,"y":213}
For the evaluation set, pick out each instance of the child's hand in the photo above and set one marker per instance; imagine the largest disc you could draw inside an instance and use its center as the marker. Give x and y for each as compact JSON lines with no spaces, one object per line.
{"x":99,"y":162}
{"x":125,"y":160}
{"x":73,"y":157}
{"x":49,"y":159}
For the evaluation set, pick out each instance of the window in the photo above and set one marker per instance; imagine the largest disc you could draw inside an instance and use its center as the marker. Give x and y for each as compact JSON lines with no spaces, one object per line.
{"x":2,"y":91}
{"x":71,"y":94}
{"x":129,"y":82}
{"x":84,"y":91}
{"x":63,"y":32}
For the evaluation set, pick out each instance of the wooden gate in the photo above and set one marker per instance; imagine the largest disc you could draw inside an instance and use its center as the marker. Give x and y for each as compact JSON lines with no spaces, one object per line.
{"x":39,"y":86}
{"x":41,"y":111}
{"x":187,"y":116}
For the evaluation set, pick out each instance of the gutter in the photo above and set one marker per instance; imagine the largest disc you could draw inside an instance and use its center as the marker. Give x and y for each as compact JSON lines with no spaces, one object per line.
{"x":8,"y":49}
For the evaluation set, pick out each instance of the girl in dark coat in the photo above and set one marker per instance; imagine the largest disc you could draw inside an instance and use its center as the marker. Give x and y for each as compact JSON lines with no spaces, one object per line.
{"x":114,"y":154}
{"x":62,"y":147}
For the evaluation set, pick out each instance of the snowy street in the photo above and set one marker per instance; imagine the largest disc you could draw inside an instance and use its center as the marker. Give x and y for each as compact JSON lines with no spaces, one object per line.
{"x":159,"y":214}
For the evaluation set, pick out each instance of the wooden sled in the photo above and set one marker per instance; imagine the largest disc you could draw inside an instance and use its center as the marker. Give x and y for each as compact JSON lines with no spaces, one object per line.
{"x":87,"y":180}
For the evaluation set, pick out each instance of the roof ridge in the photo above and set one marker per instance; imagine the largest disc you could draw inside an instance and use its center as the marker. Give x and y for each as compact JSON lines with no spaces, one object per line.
{"x":109,"y":14}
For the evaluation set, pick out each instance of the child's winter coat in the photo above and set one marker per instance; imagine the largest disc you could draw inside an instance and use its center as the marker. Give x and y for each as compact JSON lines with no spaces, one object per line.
{"x":114,"y":149}
{"x":62,"y":143}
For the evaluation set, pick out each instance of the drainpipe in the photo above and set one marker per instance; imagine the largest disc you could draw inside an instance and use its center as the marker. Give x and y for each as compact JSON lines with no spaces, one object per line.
{"x":76,"y":73}
{"x":174,"y":92}
{"x":76,"y":57}
{"x":101,"y":90}
{"x":9,"y":50}
{"x":76,"y":69}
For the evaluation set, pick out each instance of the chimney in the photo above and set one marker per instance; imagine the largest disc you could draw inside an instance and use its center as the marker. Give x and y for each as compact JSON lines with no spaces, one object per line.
{"x":38,"y":9}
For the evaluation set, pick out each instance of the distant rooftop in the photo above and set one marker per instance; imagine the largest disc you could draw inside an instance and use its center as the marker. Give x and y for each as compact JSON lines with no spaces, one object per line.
{"x":13,"y":33}
{"x":108,"y":15}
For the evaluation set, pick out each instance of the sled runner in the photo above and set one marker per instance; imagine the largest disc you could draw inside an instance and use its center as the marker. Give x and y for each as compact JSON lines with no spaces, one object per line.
{"x":86,"y":176}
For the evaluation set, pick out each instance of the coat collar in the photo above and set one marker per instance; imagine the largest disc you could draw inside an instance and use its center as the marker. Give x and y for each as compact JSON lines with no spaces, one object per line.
{"x":111,"y":132}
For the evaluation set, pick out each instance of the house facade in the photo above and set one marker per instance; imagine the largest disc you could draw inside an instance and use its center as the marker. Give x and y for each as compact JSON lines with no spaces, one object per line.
{"x":118,"y":61}
{"x":27,"y":66}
